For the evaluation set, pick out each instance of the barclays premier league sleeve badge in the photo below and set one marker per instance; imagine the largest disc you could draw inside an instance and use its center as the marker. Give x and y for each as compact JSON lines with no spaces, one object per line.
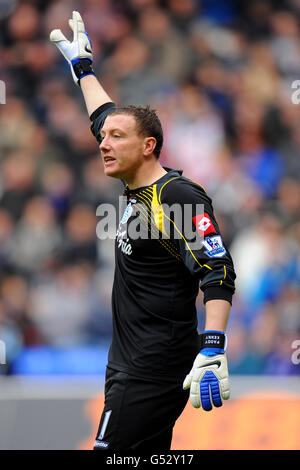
{"x":214,"y":246}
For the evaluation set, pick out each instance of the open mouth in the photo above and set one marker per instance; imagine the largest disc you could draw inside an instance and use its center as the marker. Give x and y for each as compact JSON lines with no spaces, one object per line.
{"x":108,"y":160}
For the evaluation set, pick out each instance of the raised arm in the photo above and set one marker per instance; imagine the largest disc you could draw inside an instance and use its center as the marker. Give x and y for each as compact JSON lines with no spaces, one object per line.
{"x":93,"y":93}
{"x":78,"y":54}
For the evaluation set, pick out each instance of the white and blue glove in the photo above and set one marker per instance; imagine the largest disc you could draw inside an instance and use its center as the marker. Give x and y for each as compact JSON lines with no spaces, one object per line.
{"x":78,"y":53}
{"x":208,"y":380}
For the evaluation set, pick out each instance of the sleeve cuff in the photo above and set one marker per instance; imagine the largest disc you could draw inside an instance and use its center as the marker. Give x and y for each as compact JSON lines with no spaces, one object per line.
{"x":217,"y":292}
{"x":101,"y":110}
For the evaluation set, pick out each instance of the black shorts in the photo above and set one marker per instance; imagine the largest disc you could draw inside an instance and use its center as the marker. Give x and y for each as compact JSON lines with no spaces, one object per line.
{"x":139,"y":413}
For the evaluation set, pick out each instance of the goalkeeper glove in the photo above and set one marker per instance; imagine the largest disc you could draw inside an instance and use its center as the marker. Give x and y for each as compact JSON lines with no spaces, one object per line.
{"x":208,"y":380}
{"x":78,"y":53}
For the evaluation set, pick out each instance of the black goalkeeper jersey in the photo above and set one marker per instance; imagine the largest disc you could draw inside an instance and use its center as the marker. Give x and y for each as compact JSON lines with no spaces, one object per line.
{"x":167,"y":243}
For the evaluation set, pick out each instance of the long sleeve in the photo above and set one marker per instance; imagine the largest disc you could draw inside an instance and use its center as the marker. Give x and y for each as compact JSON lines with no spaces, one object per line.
{"x":202,"y":249}
{"x":98,"y":117}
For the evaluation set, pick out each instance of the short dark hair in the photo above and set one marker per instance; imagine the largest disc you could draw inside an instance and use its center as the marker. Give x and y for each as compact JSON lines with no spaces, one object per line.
{"x":148,"y":123}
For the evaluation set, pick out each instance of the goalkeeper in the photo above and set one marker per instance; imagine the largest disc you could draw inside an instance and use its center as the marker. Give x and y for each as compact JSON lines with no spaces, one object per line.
{"x":156,"y":360}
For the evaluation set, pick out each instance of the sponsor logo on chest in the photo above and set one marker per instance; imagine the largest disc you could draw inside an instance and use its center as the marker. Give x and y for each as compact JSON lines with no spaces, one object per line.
{"x":123,"y":242}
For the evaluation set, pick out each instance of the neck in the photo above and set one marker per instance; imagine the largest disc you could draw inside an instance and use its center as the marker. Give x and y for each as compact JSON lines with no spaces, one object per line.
{"x":146,"y":175}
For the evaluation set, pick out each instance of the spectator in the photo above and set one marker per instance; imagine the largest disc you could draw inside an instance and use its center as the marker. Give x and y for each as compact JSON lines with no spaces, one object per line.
{"x":37,"y":238}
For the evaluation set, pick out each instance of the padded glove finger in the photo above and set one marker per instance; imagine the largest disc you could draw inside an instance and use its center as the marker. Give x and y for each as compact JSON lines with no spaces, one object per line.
{"x":78,"y":53}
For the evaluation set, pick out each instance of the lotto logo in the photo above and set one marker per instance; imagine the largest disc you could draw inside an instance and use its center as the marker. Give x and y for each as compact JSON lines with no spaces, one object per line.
{"x":203,"y":224}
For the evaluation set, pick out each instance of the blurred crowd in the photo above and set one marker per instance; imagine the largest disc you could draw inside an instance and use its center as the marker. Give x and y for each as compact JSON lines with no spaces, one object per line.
{"x":220,"y":74}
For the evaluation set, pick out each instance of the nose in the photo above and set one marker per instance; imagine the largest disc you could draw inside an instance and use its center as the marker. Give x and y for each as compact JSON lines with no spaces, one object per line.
{"x":104,"y":144}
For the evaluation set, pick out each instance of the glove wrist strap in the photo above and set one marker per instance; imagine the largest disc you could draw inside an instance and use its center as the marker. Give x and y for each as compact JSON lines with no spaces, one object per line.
{"x":82,"y":67}
{"x":213,"y":339}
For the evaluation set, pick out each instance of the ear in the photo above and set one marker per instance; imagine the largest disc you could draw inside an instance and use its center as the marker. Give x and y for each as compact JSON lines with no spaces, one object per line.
{"x":149,"y":146}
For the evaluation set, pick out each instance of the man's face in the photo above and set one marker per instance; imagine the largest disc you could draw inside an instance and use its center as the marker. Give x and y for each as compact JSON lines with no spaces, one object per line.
{"x":122,"y":149}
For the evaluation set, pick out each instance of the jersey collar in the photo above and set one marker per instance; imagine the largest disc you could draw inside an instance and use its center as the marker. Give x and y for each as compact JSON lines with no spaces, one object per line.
{"x":171,"y":173}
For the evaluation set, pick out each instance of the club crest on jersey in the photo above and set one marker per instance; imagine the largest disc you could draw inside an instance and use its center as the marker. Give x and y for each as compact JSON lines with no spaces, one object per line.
{"x":127,"y":213}
{"x":203,"y":224}
{"x":214,"y":246}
